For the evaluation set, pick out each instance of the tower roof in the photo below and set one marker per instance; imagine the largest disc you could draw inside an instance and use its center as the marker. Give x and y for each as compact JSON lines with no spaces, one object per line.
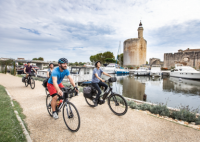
{"x":140,"y":24}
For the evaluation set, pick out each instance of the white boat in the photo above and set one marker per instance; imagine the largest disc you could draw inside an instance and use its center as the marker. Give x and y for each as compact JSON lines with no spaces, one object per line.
{"x":155,"y":70}
{"x":142,"y":71}
{"x":121,"y":71}
{"x":110,"y":68}
{"x":187,"y":72}
{"x":42,"y":73}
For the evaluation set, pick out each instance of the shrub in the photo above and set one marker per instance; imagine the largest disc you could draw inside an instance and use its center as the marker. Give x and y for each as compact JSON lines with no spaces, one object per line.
{"x":184,"y":114}
{"x":198,"y":121}
{"x":160,"y":109}
{"x":132,"y":105}
{"x":144,"y":107}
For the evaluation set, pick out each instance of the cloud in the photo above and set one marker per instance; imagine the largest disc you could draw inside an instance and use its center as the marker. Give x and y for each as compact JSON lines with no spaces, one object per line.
{"x":78,"y":29}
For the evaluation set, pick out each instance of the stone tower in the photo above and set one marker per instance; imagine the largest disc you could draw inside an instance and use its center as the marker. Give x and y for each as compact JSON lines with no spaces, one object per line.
{"x":135,"y":49}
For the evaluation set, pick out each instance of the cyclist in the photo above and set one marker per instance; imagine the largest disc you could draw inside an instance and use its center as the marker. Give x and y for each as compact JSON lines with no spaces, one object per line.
{"x":51,"y":66}
{"x":54,"y":84}
{"x":27,"y":69}
{"x":97,"y":81}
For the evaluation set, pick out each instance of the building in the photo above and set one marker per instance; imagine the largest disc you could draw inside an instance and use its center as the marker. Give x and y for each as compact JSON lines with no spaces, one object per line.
{"x":189,"y":57}
{"x":155,"y":61}
{"x":135,"y":50}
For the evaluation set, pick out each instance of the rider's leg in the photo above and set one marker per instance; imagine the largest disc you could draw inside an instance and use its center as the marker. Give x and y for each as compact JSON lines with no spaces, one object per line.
{"x":104,"y":85}
{"x":53,"y":102}
{"x":27,"y":75}
{"x":96,"y":86}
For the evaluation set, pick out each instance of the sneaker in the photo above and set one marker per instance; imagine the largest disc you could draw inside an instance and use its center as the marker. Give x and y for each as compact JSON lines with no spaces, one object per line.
{"x":55,"y":115}
{"x":95,"y":102}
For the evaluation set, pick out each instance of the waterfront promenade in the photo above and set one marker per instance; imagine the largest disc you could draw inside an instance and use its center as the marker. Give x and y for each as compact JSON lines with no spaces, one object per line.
{"x":97,"y":124}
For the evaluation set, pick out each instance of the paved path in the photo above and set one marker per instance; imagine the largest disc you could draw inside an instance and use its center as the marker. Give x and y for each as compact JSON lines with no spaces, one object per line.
{"x":97,"y":124}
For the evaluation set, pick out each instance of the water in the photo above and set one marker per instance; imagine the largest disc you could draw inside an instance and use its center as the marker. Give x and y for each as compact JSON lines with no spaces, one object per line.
{"x":170,"y":90}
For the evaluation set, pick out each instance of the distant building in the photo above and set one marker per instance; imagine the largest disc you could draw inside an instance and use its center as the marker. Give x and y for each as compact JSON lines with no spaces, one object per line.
{"x":135,"y":49}
{"x":189,"y":57}
{"x":155,"y":61}
{"x":20,"y":58}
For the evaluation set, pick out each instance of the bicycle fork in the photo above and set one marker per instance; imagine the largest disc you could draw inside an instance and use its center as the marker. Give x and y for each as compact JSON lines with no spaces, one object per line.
{"x":69,"y":114}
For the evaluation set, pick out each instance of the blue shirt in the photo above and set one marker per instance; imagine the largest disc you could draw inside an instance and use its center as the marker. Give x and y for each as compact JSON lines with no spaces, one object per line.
{"x":94,"y":78}
{"x":60,"y":75}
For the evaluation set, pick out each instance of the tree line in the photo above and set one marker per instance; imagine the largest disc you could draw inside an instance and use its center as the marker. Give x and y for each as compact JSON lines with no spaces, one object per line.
{"x":107,"y":57}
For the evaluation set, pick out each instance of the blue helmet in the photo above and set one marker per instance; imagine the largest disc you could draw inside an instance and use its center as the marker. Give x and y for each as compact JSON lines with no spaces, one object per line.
{"x":62,"y":61}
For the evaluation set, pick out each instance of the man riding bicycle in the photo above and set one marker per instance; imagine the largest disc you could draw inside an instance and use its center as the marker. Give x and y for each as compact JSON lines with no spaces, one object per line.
{"x":27,"y":69}
{"x":54,"y":84}
{"x":97,"y":81}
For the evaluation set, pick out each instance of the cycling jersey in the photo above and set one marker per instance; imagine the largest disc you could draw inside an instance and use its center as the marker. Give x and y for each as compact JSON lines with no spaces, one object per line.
{"x":60,"y":75}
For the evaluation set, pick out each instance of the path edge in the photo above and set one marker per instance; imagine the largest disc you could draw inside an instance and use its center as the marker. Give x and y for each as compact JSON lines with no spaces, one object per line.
{"x":28,"y":138}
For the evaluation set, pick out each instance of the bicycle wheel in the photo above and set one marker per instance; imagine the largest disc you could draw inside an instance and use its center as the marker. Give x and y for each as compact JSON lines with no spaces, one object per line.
{"x":89,"y":102}
{"x":48,"y":105}
{"x":117,"y":104}
{"x":32,"y":83}
{"x":71,"y":117}
{"x":26,"y":82}
{"x":46,"y":90}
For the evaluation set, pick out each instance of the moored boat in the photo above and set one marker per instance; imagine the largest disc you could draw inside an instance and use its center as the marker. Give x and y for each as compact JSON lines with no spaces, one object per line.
{"x":142,"y":71}
{"x":155,"y":70}
{"x":187,"y":72}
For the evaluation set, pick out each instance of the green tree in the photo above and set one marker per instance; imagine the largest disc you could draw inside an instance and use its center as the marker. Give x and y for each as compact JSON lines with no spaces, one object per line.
{"x":146,"y":62}
{"x":110,"y":60}
{"x":41,"y":58}
{"x":102,"y":57}
{"x":108,"y":54}
{"x":35,"y":59}
{"x":76,"y":63}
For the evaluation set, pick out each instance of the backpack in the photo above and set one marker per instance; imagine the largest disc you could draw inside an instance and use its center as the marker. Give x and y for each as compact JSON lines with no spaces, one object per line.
{"x":45,"y":82}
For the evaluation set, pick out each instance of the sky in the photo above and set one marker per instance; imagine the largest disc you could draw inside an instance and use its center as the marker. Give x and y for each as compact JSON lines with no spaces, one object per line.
{"x":78,"y":29}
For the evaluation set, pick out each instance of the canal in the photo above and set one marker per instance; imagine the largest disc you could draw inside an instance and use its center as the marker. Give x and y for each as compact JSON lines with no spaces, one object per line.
{"x":172,"y":91}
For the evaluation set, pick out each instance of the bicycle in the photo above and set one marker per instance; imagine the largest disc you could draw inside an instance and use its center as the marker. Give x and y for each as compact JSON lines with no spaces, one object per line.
{"x":115,"y":101}
{"x":70,"y":112}
{"x":30,"y":81}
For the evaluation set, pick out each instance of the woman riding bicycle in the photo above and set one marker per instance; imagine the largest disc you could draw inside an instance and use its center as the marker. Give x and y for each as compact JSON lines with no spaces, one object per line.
{"x":54,"y":84}
{"x":97,"y":81}
{"x":51,"y":66}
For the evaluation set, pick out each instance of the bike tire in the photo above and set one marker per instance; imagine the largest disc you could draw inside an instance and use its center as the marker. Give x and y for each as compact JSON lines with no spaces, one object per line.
{"x":118,"y":101}
{"x":46,"y":90}
{"x":48,"y":105}
{"x":26,"y":82}
{"x":71,"y":117}
{"x":32,"y":83}
{"x":89,"y":102}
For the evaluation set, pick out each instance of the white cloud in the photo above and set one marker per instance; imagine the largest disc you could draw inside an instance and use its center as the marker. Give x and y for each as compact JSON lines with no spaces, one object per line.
{"x":97,"y":26}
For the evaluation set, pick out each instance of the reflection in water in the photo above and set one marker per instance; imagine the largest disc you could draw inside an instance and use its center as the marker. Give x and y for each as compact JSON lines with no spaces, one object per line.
{"x":173,"y":91}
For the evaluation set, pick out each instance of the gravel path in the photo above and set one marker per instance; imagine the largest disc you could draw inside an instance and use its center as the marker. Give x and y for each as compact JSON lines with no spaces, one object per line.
{"x":97,"y":124}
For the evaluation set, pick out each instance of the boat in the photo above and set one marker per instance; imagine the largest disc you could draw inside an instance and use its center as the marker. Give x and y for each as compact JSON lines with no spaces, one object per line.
{"x":155,"y":70}
{"x":42,"y":73}
{"x":121,"y":71}
{"x":142,"y":71}
{"x":110,"y":68}
{"x":187,"y":72}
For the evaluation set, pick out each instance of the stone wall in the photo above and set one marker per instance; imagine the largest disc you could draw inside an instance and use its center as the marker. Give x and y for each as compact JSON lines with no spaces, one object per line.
{"x":186,"y":58}
{"x":155,"y":61}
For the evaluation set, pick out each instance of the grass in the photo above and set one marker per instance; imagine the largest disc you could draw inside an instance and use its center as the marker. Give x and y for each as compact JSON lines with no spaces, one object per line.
{"x":10,"y":128}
